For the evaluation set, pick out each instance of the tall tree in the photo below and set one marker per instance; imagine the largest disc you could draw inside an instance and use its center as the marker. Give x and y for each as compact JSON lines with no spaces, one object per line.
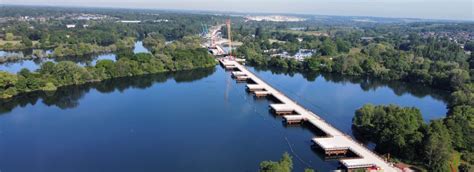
{"x":9,"y":36}
{"x":438,"y":148}
{"x":328,"y":48}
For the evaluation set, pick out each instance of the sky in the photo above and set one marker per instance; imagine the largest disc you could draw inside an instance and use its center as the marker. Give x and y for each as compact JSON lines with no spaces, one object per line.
{"x":428,"y":9}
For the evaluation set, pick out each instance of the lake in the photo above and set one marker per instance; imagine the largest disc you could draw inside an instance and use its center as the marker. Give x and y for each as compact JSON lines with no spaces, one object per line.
{"x":198,"y":120}
{"x":34,"y":64}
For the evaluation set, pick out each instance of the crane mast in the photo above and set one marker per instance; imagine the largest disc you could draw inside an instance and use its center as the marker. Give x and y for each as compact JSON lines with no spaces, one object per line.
{"x":229,"y":36}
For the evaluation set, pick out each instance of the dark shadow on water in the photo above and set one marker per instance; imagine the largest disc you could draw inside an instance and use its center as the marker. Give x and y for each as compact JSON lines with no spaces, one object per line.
{"x":68,"y":97}
{"x":317,"y":132}
{"x":273,"y":100}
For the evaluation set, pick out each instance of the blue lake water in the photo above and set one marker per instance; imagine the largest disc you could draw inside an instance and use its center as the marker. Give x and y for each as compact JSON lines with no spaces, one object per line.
{"x":139,"y":48}
{"x":34,"y":64}
{"x":11,"y":53}
{"x":14,"y":67}
{"x":198,"y":120}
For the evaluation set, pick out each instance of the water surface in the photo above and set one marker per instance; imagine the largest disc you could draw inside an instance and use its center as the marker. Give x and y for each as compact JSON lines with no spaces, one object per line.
{"x":198,"y":120}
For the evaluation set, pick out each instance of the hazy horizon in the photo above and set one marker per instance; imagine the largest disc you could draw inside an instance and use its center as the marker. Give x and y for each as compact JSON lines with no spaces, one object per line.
{"x":424,"y":9}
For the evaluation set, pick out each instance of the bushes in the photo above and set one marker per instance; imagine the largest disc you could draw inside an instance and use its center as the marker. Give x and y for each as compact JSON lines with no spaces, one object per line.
{"x":186,"y":59}
{"x":82,"y":49}
{"x":69,"y":73}
{"x":284,"y":165}
{"x":7,"y":84}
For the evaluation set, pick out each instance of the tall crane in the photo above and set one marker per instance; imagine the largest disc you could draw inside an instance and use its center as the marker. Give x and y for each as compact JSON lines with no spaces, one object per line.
{"x":229,"y":36}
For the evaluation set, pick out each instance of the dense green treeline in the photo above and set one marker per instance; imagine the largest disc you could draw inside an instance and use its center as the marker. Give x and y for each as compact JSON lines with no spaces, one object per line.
{"x":52,"y":75}
{"x":51,"y":34}
{"x":81,"y":49}
{"x":434,"y":62}
{"x":402,"y":133}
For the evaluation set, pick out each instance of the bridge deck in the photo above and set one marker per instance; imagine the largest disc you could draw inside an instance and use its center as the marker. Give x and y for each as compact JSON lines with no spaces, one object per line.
{"x":255,"y":87}
{"x":332,"y":143}
{"x":282,"y":107}
{"x":261,"y":93}
{"x":238,"y":73}
{"x":368,"y":158}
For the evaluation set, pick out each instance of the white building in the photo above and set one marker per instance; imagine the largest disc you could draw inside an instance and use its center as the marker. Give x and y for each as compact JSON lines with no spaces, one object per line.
{"x":70,"y":26}
{"x":304,"y":53}
{"x":282,"y":55}
{"x":129,"y":21}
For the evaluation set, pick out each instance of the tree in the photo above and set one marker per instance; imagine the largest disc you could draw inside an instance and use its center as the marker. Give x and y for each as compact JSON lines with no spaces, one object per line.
{"x":9,"y":36}
{"x":7,"y":80}
{"x":156,"y":42}
{"x":342,"y":46}
{"x":462,"y":97}
{"x":47,"y":68}
{"x":328,"y":48}
{"x":49,"y":87}
{"x":26,"y":42}
{"x":284,"y":165}
{"x":67,"y":73}
{"x":106,"y":68}
{"x":460,"y":123}
{"x":258,"y":32}
{"x":312,"y":64}
{"x":437,"y":150}
{"x":458,"y":77}
{"x":278,"y":62}
{"x":469,"y":46}
{"x":7,"y":84}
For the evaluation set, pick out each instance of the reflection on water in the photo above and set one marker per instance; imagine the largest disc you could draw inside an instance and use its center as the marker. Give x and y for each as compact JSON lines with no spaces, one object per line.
{"x":34,"y":64}
{"x":24,"y":53}
{"x":11,"y":53}
{"x":366,"y":83}
{"x":15,"y":67}
{"x":69,"y":96}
